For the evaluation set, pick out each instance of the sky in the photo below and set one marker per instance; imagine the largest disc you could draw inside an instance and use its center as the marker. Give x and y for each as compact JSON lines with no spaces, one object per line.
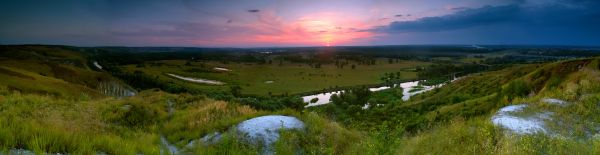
{"x":280,"y":23}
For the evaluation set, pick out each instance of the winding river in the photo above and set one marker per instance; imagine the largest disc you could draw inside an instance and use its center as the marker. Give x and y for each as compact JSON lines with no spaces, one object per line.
{"x":407,"y":92}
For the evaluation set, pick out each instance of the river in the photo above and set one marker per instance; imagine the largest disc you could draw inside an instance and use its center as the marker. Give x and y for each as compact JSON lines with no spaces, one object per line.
{"x":407,"y":92}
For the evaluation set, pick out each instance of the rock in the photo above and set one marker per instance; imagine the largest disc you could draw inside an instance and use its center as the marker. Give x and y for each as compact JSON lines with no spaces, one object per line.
{"x":171,"y":148}
{"x":209,"y":139}
{"x":519,"y":124}
{"x":596,"y":136}
{"x":27,"y":152}
{"x":263,"y":129}
{"x":126,"y":107}
{"x":266,"y":128}
{"x":554,"y":101}
{"x":20,"y":152}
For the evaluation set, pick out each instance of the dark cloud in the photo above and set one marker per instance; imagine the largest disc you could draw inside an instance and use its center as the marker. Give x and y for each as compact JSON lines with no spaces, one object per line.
{"x":383,"y":19}
{"x":566,"y":14}
{"x":566,"y":22}
{"x":462,"y":19}
{"x":254,"y":11}
{"x":459,"y":8}
{"x":398,"y":15}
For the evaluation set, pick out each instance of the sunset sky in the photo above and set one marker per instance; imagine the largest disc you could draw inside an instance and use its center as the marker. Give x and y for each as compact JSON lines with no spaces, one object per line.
{"x":268,"y":23}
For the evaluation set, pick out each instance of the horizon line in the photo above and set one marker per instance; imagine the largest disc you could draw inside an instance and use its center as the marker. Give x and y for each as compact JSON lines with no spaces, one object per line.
{"x":258,"y":47}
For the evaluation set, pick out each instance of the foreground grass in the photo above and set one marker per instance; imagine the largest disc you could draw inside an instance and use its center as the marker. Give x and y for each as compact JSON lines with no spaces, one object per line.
{"x":450,"y":120}
{"x":46,"y":124}
{"x":574,"y":127}
{"x":479,"y":136}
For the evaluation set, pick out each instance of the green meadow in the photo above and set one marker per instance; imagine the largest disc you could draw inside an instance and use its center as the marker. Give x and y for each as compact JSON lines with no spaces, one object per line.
{"x":59,"y":103}
{"x":277,"y":79}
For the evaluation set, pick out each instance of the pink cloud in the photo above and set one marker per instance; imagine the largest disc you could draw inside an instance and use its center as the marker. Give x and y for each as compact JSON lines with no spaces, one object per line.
{"x":317,"y":29}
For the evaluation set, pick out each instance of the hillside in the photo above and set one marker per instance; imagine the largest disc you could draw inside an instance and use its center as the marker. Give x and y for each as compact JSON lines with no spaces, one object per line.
{"x":55,"y":70}
{"x":456,"y":118}
{"x":561,"y":99}
{"x":54,"y":100}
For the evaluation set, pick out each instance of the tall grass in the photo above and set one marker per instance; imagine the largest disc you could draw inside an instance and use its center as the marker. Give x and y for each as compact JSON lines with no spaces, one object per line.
{"x":479,"y":136}
{"x":451,"y":120}
{"x":203,"y":117}
{"x":51,"y":125}
{"x":574,"y":127}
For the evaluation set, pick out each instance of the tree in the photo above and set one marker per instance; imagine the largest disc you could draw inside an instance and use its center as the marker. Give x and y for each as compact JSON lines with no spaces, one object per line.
{"x":236,"y":90}
{"x":314,"y":100}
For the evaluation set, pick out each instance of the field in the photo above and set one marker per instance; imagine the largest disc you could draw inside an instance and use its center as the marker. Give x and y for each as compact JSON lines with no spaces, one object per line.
{"x":135,"y":125}
{"x":276,"y":79}
{"x":59,"y":103}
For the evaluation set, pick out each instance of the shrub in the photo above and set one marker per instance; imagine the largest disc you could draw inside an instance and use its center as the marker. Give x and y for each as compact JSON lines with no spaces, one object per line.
{"x":516,"y":88}
{"x":135,"y":114}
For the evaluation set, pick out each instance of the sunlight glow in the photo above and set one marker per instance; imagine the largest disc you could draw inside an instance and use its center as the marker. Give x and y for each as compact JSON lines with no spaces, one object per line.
{"x":325,"y":29}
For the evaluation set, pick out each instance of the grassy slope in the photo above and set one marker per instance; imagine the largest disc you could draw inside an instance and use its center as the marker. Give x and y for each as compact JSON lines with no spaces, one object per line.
{"x":132,"y":125}
{"x":578,"y":83}
{"x":455,"y":119}
{"x":28,"y":82}
{"x":135,"y":124}
{"x":288,"y":78}
{"x":53,"y":70}
{"x":50,"y":124}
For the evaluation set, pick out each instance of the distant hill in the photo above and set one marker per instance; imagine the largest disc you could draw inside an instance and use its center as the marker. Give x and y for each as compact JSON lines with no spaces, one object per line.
{"x":54,"y":70}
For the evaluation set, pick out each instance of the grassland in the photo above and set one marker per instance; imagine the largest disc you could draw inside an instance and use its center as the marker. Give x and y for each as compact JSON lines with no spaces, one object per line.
{"x":575,"y":125}
{"x":287,"y":78}
{"x":50,"y":70}
{"x":48,"y":104}
{"x":46,"y":124}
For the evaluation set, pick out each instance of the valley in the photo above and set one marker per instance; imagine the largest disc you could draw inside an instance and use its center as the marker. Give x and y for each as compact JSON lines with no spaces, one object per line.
{"x":57,"y":99}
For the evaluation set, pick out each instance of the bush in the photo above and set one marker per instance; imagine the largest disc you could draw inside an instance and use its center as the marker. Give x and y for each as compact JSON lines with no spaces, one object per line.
{"x":135,"y":114}
{"x":516,"y":88}
{"x":314,"y":100}
{"x":274,"y":103}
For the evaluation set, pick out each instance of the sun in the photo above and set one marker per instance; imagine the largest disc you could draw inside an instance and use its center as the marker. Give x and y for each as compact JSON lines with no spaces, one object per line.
{"x":327,"y":39}
{"x":322,"y":30}
{"x":327,"y":29}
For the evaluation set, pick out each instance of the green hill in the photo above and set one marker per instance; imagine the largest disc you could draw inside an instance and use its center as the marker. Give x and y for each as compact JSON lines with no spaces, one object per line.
{"x":54,"y":70}
{"x":53,"y":100}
